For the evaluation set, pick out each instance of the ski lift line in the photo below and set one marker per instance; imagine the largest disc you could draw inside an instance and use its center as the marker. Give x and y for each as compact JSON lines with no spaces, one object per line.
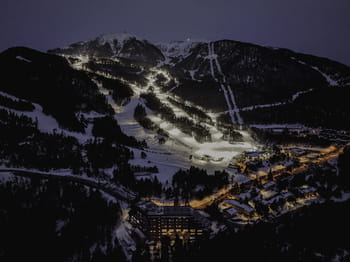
{"x":228,"y":93}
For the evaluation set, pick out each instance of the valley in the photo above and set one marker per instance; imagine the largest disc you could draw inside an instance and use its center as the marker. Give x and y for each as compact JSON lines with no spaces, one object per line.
{"x":193,"y":141}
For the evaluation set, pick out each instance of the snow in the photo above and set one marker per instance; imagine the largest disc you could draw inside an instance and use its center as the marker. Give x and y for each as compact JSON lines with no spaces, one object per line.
{"x":216,"y":227}
{"x":123,"y":234}
{"x":228,"y":93}
{"x":238,"y":178}
{"x":6,"y":177}
{"x":238,"y":204}
{"x":266,"y":194}
{"x":253,"y":154}
{"x":292,"y":99}
{"x":48,"y":124}
{"x":245,"y":195}
{"x":202,"y":213}
{"x":306,"y":189}
{"x":175,"y":153}
{"x":280,"y":126}
{"x":59,"y":225}
{"x":78,"y":65}
{"x":297,"y":150}
{"x":269,"y":184}
{"x":296,"y":95}
{"x":236,"y":110}
{"x":228,"y":104}
{"x":328,"y":78}
{"x":345,"y":197}
{"x":10,"y":96}
{"x":192,"y":74}
{"x":278,"y":197}
{"x":210,"y":57}
{"x":231,"y":211}
{"x":248,"y":108}
{"x":67,"y":173}
{"x":23,"y":59}
{"x":161,"y":156}
{"x":109,"y":198}
{"x":121,"y":38}
{"x":179,"y":49}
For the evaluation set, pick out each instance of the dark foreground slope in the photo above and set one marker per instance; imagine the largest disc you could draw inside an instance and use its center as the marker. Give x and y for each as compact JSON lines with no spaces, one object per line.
{"x":56,"y":221}
{"x":315,"y":233}
{"x":49,"y":81}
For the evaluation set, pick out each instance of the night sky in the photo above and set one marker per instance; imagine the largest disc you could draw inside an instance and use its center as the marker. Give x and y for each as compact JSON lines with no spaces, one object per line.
{"x":320,"y":27}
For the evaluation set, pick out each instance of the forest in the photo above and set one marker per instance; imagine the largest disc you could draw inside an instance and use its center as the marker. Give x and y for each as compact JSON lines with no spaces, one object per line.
{"x":187,"y":126}
{"x":313,"y":233}
{"x":49,"y":81}
{"x":48,"y":220}
{"x":326,"y":108}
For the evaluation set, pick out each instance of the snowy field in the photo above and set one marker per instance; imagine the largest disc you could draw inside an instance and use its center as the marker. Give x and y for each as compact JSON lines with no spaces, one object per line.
{"x":180,"y":151}
{"x":175,"y":153}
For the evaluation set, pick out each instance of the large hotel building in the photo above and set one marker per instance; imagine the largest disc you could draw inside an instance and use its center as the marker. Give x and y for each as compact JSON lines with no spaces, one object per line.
{"x":168,"y":221}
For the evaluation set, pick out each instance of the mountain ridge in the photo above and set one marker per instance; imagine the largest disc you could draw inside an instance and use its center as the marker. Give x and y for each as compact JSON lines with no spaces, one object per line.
{"x":236,"y":75}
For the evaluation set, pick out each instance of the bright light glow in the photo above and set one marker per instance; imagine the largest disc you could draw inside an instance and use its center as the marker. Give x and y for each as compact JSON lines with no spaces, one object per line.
{"x":176,"y":152}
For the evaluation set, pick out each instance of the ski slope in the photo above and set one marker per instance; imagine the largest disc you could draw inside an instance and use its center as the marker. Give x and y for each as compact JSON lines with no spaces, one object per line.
{"x":176,"y":153}
{"x":221,"y":79}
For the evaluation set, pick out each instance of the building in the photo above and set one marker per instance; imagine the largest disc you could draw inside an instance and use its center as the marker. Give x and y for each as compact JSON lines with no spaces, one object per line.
{"x":157,"y":222}
{"x":233,"y":207}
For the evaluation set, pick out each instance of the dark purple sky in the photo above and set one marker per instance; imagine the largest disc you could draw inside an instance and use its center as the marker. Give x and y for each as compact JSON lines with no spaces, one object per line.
{"x":320,"y":27}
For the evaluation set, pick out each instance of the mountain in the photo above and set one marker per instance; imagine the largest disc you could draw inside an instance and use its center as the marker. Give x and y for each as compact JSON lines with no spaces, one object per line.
{"x":116,"y":45}
{"x":246,"y":134}
{"x":239,"y":78}
{"x":50,"y":81}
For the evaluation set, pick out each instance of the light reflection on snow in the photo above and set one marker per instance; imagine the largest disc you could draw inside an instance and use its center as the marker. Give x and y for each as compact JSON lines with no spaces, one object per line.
{"x":218,"y":153}
{"x":181,"y":150}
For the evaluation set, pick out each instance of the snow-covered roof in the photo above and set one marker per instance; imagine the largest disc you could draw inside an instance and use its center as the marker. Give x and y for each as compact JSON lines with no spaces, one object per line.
{"x":152,"y":209}
{"x":178,"y":211}
{"x":269,"y":184}
{"x":231,"y":211}
{"x":254,"y":153}
{"x":147,"y":206}
{"x":297,"y":150}
{"x":266,"y":194}
{"x":306,"y":189}
{"x":245,"y":195}
{"x":240,"y":205}
{"x":283,"y":195}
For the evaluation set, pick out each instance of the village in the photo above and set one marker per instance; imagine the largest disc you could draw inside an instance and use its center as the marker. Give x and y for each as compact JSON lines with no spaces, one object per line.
{"x":264,"y":184}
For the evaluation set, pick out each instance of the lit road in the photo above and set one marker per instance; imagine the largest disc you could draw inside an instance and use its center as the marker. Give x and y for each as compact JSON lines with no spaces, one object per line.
{"x":326,"y":155}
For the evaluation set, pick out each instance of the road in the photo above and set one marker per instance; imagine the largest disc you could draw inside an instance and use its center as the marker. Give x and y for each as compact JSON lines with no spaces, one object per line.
{"x":326,"y":155}
{"x":117,"y":191}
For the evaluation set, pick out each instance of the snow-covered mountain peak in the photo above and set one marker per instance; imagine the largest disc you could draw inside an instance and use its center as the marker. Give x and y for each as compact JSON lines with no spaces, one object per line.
{"x":120,"y":37}
{"x":178,"y":48}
